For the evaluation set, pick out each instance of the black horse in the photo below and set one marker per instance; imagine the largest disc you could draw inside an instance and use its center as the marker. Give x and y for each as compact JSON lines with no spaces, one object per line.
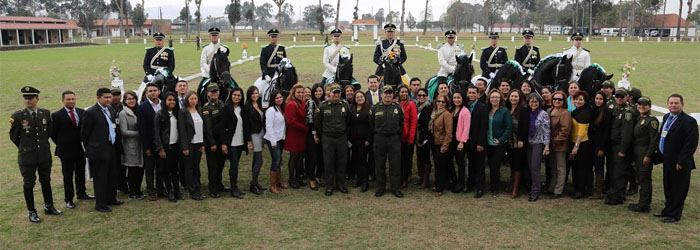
{"x":219,"y":73}
{"x":165,"y":80}
{"x":463,"y":72}
{"x":591,"y":79}
{"x":554,"y":71}
{"x":343,"y":73}
{"x":511,"y":70}
{"x":286,"y":77}
{"x":392,"y":74}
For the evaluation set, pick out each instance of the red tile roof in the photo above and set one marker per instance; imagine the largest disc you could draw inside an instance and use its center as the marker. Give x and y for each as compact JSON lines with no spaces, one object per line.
{"x":668,"y":20}
{"x":29,"y":19}
{"x":365,"y":21}
{"x":37,"y":26}
{"x":26,"y":23}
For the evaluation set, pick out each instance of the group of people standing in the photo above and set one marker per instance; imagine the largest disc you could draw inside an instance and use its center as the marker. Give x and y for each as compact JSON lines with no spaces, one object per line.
{"x":335,"y":133}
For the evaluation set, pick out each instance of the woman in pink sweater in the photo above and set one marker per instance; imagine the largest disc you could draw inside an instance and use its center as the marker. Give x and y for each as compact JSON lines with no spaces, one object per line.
{"x":461,"y":118}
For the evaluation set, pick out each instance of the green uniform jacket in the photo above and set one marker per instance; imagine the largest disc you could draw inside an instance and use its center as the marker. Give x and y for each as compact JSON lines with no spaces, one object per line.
{"x":211,"y":113}
{"x":622,"y":129}
{"x":646,"y":133}
{"x":332,"y":119}
{"x":31,"y":136}
{"x":386,"y":119}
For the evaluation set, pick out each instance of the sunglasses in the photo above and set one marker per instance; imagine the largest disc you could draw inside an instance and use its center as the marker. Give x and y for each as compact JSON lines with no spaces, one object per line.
{"x":578,"y":39}
{"x":336,"y":35}
{"x":422,"y":95}
{"x":619,"y":96}
{"x":440,"y":102}
{"x":557,"y":99}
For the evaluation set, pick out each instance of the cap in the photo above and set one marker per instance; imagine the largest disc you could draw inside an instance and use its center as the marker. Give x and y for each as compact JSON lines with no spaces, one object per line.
{"x":336,"y":31}
{"x":115,"y":90}
{"x":389,"y":27}
{"x":577,"y":35}
{"x":387,"y":88}
{"x":214,"y":31}
{"x":528,"y":33}
{"x":608,"y":84}
{"x":493,"y":35}
{"x":620,"y":91}
{"x":335,"y":87}
{"x":158,"y":35}
{"x":644,"y":100}
{"x":212,"y":87}
{"x":450,"y":33}
{"x":635,"y":93}
{"x":273,"y":32}
{"x":29,"y":92}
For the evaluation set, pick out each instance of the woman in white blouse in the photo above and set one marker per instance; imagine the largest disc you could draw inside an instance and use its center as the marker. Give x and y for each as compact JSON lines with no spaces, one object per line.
{"x":234,"y":141}
{"x":275,"y":130}
{"x":191,"y":131}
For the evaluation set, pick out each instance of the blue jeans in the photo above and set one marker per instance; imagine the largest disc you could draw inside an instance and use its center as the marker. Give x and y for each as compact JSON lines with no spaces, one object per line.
{"x":234,"y":156}
{"x":275,"y":154}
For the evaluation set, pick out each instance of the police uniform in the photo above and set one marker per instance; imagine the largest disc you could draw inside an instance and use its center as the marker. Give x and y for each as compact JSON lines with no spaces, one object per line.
{"x":528,"y":56}
{"x":611,"y":100}
{"x":386,"y":122}
{"x":492,"y":58}
{"x":447,"y":56}
{"x":29,"y":131}
{"x":621,"y":141}
{"x":216,"y":160}
{"x":645,"y":137}
{"x":208,"y":52}
{"x":271,"y":55}
{"x":389,"y":50}
{"x":158,"y":57}
{"x":331,"y":120}
{"x":580,"y":57}
{"x":331,"y":55}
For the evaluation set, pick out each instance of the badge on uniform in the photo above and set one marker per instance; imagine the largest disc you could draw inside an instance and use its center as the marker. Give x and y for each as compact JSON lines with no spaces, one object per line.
{"x":216,"y":111}
{"x":205,"y":112}
{"x":379,"y":113}
{"x":43,"y":121}
{"x":326,"y":111}
{"x":628,"y":116}
{"x":655,"y":125}
{"x":342,"y":109}
{"x":396,"y":111}
{"x":642,"y":123}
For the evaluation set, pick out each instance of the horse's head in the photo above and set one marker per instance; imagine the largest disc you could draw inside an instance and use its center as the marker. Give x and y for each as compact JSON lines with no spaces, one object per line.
{"x":510,"y":70}
{"x":592,"y":78}
{"x":344,"y":69}
{"x":563,"y":71}
{"x":464,"y":69}
{"x":459,"y":86}
{"x":219,"y":69}
{"x":392,"y":73}
{"x":287,"y":76}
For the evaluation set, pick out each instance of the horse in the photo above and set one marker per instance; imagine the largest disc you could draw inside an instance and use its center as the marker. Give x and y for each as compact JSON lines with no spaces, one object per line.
{"x":591,"y":79}
{"x":392,"y":74}
{"x":510,"y":70}
{"x":343,"y":74}
{"x":463,"y":72}
{"x":165,"y":80}
{"x":219,"y":73}
{"x":285,"y":77}
{"x":554,"y":70}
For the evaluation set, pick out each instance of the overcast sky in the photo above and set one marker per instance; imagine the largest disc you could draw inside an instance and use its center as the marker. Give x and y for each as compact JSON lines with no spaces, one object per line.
{"x":216,"y":7}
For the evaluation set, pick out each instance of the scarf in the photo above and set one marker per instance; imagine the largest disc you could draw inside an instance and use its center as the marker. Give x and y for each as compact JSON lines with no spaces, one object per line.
{"x":421,"y":106}
{"x":533,"y":120}
{"x":582,"y":115}
{"x":434,"y":116}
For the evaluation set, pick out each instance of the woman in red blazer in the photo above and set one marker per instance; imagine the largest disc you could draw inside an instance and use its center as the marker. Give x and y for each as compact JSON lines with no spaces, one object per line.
{"x":295,"y":138}
{"x":408,"y":134}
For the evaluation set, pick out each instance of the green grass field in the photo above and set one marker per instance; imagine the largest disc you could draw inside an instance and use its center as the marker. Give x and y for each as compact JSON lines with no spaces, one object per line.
{"x":307,"y":219}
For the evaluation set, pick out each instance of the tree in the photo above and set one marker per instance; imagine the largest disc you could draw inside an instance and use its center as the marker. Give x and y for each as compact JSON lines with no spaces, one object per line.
{"x":118,"y":6}
{"x":233,"y":11}
{"x":279,"y":13}
{"x":367,"y":16}
{"x":379,"y":16}
{"x":198,"y":15}
{"x":678,"y":27}
{"x":248,"y":10}
{"x":695,"y":16}
{"x":392,"y":17}
{"x":425,"y":17}
{"x":403,"y":11}
{"x":252,"y":16}
{"x":263,"y":14}
{"x":411,"y":21}
{"x":187,"y":17}
{"x":337,"y":16}
{"x":139,"y":18}
{"x":88,"y":11}
{"x":313,"y":16}
{"x":354,"y":14}
{"x":287,"y":14}
{"x":690,"y":9}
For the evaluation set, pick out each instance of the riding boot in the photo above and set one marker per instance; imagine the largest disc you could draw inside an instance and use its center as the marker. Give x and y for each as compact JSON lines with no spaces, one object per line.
{"x":516,"y":183}
{"x":273,"y":183}
{"x":280,"y":182}
{"x":598,"y":187}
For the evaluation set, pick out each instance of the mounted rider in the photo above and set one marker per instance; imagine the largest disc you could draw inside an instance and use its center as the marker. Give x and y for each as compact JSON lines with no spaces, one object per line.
{"x":446,"y":55}
{"x":528,"y":55}
{"x":271,"y":55}
{"x":158,"y":57}
{"x":580,"y":57}
{"x":332,"y":53}
{"x":492,"y":57}
{"x":208,"y":52}
{"x":389,"y":48}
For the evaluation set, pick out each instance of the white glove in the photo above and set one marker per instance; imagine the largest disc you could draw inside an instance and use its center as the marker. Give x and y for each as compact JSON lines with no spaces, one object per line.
{"x":267,"y":78}
{"x":149,"y":77}
{"x":530,"y":71}
{"x":223,"y":49}
{"x":491,"y":75}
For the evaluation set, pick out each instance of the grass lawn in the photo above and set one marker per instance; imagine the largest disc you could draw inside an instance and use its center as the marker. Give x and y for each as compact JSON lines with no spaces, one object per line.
{"x":307,"y":219}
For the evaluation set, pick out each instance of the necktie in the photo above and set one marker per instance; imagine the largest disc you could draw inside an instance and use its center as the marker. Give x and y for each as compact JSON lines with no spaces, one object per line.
{"x":34,"y":115}
{"x":667,"y":126}
{"x":375,"y":99}
{"x":112,"y":133}
{"x":72,"y":118}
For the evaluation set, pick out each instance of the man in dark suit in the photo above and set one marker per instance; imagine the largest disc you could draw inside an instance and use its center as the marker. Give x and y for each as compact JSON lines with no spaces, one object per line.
{"x":477,"y":141}
{"x":66,"y":134}
{"x":374,"y":98}
{"x":99,"y":134}
{"x":677,"y":144}
{"x":145,"y":113}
